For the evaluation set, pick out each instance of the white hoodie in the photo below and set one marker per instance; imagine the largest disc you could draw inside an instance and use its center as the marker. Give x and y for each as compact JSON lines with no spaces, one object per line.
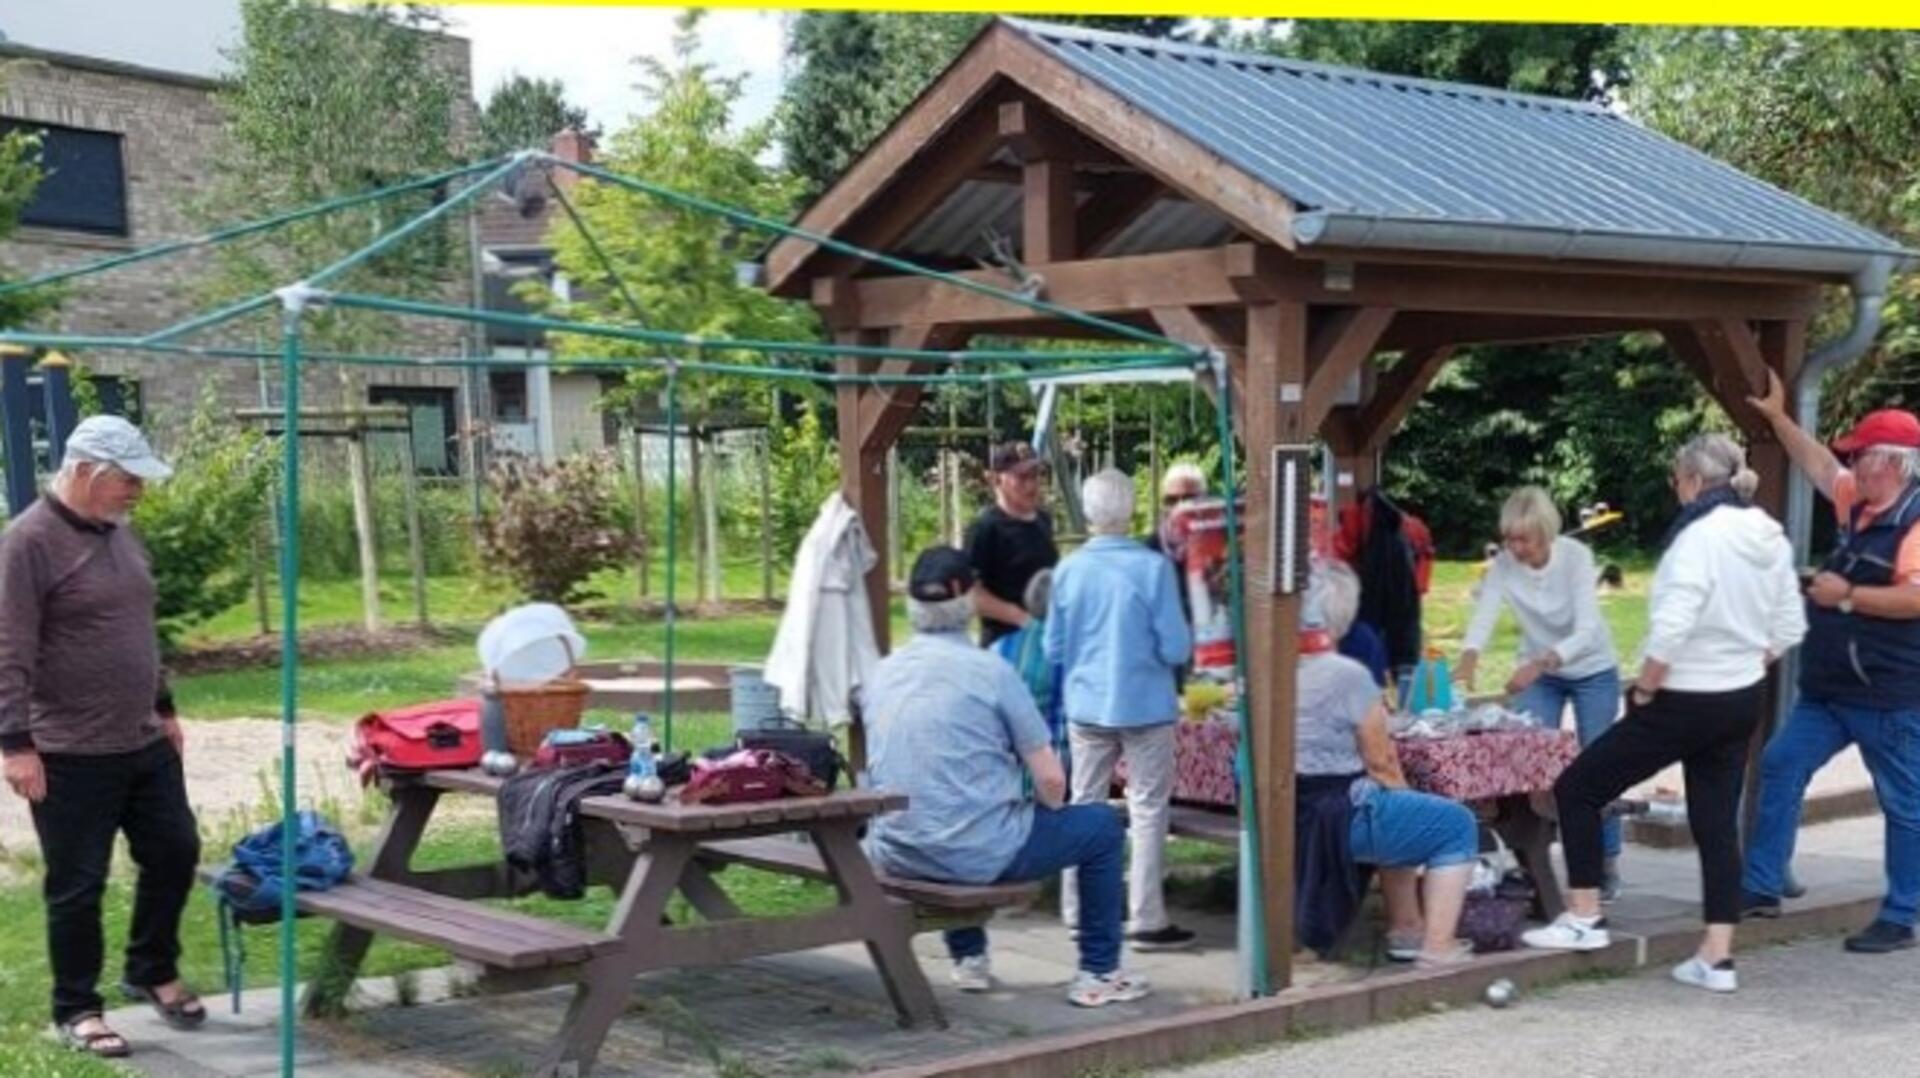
{"x":1724,"y":598}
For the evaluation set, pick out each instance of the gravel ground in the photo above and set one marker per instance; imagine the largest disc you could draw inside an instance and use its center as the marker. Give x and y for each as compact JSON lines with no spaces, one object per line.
{"x":233,"y":775}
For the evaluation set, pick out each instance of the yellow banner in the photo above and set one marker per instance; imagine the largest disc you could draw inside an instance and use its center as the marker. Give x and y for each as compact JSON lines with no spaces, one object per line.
{"x":1879,"y":14}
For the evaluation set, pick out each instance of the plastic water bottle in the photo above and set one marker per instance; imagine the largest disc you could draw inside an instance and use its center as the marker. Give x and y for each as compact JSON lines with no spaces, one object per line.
{"x":643,"y":779}
{"x":495,"y":760}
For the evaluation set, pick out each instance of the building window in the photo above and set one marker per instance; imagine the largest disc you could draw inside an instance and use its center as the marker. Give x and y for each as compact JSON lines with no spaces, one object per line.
{"x":83,"y":180}
{"x":435,"y":429}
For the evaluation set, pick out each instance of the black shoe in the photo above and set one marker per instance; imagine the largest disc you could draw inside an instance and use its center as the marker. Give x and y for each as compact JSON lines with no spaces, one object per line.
{"x":1170,"y":938}
{"x":1756,"y":905}
{"x":1881,"y":937}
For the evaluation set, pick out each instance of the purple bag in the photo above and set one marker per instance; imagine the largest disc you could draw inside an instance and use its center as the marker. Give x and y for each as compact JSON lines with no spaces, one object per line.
{"x":1492,"y":922}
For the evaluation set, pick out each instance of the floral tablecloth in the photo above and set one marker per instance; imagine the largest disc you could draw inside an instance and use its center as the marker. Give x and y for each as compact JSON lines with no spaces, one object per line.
{"x":1464,"y":767}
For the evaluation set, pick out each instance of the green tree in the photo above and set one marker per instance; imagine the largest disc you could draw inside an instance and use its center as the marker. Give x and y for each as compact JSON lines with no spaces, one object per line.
{"x":1833,"y":116}
{"x":674,"y":268}
{"x":854,"y":71}
{"x":198,"y":525}
{"x":1558,"y":60}
{"x":19,"y":179}
{"x":525,"y":113}
{"x":323,"y":103}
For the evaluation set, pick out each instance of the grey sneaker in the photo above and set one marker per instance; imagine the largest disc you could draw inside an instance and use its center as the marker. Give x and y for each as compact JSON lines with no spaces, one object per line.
{"x":973,"y":974}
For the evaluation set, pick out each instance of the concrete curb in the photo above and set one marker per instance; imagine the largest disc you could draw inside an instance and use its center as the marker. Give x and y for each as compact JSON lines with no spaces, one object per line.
{"x":1213,"y":1031}
{"x":1820,"y":808}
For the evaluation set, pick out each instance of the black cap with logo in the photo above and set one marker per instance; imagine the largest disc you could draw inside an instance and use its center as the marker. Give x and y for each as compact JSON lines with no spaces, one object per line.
{"x":940,"y":573}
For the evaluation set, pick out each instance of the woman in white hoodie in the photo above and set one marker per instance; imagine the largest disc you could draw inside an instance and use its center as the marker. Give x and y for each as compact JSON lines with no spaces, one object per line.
{"x":1725,"y":603}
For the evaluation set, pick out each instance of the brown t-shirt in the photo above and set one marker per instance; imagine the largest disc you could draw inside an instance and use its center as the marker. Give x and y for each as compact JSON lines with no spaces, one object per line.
{"x":79,"y":658}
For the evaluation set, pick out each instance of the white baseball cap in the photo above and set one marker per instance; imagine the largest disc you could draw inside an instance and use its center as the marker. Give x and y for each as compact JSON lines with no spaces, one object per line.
{"x":109,"y":439}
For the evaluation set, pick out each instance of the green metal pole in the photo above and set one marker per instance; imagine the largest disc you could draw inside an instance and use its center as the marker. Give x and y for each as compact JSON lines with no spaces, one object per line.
{"x":289,"y":667}
{"x":764,"y":224}
{"x":1173,"y":352}
{"x":673,"y":560}
{"x":1253,"y":890}
{"x":265,"y":224}
{"x":467,"y":194}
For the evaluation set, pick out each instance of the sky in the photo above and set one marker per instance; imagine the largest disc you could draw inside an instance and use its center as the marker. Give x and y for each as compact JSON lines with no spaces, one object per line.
{"x":590,"y":49}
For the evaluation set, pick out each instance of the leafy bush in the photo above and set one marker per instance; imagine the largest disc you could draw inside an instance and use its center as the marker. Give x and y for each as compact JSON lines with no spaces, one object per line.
{"x":198,"y":526}
{"x":553,"y":526}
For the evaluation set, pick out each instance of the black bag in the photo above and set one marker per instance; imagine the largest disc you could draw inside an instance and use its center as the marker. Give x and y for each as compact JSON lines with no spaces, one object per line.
{"x":819,"y":751}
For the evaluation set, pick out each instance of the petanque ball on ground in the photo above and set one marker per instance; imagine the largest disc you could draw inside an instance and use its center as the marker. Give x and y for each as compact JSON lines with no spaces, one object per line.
{"x":1501,"y":992}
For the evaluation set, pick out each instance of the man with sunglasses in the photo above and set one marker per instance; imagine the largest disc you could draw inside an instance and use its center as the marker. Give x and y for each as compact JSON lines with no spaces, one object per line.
{"x":1860,"y":662}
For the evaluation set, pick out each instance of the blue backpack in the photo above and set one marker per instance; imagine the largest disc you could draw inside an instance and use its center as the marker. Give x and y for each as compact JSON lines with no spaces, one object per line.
{"x":248,"y":890}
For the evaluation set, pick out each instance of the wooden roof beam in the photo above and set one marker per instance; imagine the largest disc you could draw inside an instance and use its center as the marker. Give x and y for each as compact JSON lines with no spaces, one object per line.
{"x":1334,"y":353}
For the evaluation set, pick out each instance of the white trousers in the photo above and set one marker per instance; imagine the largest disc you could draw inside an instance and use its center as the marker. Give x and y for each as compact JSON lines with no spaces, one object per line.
{"x":1148,"y":751}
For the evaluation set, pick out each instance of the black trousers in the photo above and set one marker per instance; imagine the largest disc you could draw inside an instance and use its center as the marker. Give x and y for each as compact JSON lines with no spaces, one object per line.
{"x":1708,"y":733}
{"x":90,"y":800}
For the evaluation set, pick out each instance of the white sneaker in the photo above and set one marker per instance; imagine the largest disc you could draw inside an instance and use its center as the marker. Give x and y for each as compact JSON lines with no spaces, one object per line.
{"x":973,"y":974}
{"x":1100,"y":989}
{"x":1569,"y":933}
{"x":1696,"y":972}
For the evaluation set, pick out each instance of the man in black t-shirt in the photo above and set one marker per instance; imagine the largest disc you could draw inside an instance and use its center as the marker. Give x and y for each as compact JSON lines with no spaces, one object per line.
{"x":1011,"y":541}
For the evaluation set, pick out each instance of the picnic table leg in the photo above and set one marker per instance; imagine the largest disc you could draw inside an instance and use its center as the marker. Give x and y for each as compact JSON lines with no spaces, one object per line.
{"x":1530,"y":836}
{"x":392,"y":853}
{"x":606,"y":984}
{"x":889,"y":923}
{"x":706,"y":895}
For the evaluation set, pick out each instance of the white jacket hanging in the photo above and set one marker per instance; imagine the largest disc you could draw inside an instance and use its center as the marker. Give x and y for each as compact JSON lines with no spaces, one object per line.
{"x":825,"y":647}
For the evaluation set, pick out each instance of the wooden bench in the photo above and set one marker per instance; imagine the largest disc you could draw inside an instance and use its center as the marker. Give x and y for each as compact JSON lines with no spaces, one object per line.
{"x":936,"y":905}
{"x":493,"y":937}
{"x":1218,"y":826}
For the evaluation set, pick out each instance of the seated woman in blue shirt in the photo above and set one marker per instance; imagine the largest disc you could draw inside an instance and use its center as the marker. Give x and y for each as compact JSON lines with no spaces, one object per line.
{"x":1353,"y":806}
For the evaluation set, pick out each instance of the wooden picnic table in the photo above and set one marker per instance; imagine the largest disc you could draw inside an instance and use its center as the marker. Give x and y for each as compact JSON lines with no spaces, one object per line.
{"x":645,"y":852}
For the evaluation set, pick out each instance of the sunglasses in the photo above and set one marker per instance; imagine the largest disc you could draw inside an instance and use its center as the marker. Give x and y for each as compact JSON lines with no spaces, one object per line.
{"x":1179,"y":499}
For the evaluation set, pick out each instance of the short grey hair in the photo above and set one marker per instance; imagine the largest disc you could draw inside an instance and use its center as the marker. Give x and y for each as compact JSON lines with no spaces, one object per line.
{"x":946,"y":616}
{"x":1183,"y":474}
{"x":1107,"y":497}
{"x":1906,"y":457}
{"x":1339,"y":596}
{"x":1716,"y":461}
{"x":1530,"y":510}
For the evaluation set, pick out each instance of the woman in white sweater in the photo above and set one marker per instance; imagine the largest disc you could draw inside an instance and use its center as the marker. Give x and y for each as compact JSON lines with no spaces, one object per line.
{"x":1725,"y":603}
{"x":1566,"y":650}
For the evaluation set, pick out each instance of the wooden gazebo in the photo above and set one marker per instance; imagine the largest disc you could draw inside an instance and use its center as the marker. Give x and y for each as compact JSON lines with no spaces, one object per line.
{"x":1310,"y":223}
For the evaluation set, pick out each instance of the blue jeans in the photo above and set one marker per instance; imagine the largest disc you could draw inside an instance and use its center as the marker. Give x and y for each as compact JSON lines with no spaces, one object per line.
{"x":1815,"y":733}
{"x":1089,"y":838}
{"x":1596,"y":704}
{"x":1409,"y":829}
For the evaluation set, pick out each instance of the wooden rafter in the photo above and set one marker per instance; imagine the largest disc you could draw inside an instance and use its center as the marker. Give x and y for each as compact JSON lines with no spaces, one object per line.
{"x":1348,"y":336}
{"x":1245,"y":273}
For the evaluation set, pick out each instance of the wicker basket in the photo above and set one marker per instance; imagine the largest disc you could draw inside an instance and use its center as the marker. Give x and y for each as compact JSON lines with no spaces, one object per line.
{"x":532,"y":710}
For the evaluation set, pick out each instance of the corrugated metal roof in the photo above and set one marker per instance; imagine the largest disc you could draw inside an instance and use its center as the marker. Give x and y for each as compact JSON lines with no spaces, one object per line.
{"x":1359,"y":148}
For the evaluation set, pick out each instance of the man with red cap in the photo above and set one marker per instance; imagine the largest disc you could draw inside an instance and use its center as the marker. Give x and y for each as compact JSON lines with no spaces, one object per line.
{"x":1860,"y":662}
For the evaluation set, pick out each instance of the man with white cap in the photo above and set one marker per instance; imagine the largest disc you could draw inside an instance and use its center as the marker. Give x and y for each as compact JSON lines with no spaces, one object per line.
{"x":1859,"y":664}
{"x":88,"y":730}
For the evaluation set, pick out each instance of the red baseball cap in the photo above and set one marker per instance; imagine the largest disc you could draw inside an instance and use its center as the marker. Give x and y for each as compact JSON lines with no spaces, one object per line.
{"x":1888,"y":426}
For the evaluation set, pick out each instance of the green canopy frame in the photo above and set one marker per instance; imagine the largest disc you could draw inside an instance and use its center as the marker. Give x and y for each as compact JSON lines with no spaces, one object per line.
{"x":1140,"y":350}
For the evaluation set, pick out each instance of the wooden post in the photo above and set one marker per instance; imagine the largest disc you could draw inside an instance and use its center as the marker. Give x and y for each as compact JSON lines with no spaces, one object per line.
{"x":416,"y":550}
{"x":640,"y":505}
{"x":360,"y":473}
{"x":1275,"y":376}
{"x":710,"y":520}
{"x":766,"y":514}
{"x":696,"y":504}
{"x":863,"y":483}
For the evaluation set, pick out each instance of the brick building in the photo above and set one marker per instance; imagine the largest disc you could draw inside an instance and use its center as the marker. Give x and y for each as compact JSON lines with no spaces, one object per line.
{"x":128,"y":150}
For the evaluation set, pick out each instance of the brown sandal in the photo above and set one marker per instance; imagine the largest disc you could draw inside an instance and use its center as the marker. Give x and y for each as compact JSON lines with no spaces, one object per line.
{"x":184,"y":1013}
{"x":103,"y":1043}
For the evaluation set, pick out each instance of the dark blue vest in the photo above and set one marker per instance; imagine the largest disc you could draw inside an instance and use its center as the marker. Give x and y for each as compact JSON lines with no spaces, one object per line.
{"x":1858,"y":659}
